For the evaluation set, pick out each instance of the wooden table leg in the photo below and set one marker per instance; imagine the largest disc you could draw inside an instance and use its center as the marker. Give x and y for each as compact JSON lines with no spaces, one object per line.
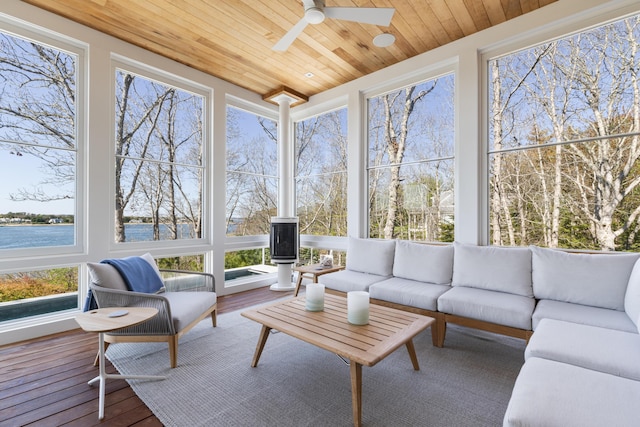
{"x":412,"y":355}
{"x":356,"y":392}
{"x":264,"y":334}
{"x":298,"y":283}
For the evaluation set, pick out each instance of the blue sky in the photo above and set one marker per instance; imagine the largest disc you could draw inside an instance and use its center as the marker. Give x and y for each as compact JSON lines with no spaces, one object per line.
{"x":18,"y":172}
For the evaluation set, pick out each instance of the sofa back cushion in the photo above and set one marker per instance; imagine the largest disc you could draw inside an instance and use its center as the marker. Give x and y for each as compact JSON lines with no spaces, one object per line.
{"x":424,"y":263}
{"x":632,"y":295}
{"x":598,"y":280}
{"x":371,"y":256}
{"x":493,"y":268}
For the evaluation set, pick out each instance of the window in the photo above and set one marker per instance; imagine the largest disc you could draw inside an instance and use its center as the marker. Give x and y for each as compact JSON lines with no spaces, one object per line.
{"x":38,"y":144}
{"x":252,"y":173}
{"x":32,"y":293}
{"x":564,"y":141}
{"x":159,"y":166}
{"x":321,"y":174}
{"x":411,"y":146}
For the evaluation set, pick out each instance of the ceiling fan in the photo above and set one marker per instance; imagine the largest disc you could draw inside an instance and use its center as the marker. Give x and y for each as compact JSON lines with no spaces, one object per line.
{"x":315,"y":12}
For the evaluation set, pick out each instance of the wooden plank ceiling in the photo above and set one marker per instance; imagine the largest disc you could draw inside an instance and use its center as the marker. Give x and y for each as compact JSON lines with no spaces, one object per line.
{"x":232,"y":39}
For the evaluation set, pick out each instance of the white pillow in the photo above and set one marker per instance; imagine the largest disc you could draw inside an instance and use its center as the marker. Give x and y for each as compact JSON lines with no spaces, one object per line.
{"x":371,"y":256}
{"x":149,"y":258}
{"x":493,"y":268}
{"x":632,"y":295}
{"x":598,"y":280}
{"x":106,"y":276}
{"x":424,"y":263}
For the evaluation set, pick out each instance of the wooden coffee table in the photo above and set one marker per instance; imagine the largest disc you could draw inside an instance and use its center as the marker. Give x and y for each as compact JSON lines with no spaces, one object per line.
{"x":388,"y":329}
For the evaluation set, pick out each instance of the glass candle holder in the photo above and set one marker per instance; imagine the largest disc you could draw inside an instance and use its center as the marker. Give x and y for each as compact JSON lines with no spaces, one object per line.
{"x":358,"y":307}
{"x":314,"y":297}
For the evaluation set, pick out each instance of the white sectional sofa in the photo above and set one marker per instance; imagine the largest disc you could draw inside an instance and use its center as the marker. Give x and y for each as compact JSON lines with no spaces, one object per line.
{"x":582,"y":364}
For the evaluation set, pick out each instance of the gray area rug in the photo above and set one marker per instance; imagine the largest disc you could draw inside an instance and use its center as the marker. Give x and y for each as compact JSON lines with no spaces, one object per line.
{"x":466,"y":383}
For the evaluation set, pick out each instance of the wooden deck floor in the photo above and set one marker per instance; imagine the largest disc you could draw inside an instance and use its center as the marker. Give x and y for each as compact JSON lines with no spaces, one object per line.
{"x":43,"y":382}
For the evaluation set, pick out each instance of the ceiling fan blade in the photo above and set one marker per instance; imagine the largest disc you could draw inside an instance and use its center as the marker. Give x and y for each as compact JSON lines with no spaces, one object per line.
{"x":366,"y":15}
{"x":284,"y":43}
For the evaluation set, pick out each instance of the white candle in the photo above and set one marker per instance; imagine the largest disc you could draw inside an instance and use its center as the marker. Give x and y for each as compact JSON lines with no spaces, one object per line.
{"x":314,"y":299}
{"x":358,"y":307}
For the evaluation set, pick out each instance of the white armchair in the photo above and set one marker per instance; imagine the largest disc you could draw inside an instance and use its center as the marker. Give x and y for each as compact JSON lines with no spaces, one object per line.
{"x":186,"y":299}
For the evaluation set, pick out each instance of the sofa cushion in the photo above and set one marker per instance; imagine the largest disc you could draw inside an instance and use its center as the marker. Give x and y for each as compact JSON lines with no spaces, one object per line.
{"x":586,"y":315}
{"x":371,"y":256}
{"x":550,"y":393}
{"x":493,"y":268}
{"x":408,"y":292}
{"x":598,"y":280}
{"x":106,"y":276}
{"x":347,"y":280}
{"x":605,"y":350}
{"x":632,"y":295}
{"x":490,"y":306}
{"x":424,"y":263}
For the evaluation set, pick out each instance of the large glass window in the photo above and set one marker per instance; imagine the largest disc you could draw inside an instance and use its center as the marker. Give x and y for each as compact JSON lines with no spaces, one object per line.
{"x":159,"y":171}
{"x":564,"y":141}
{"x":321,"y":174}
{"x":252,"y":173}
{"x":32,"y":293}
{"x":38,"y":144}
{"x":411,"y":148}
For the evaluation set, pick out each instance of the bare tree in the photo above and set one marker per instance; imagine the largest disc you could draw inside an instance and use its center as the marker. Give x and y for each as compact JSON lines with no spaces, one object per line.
{"x":137,"y":116}
{"x":396,"y":131}
{"x":38,"y":113}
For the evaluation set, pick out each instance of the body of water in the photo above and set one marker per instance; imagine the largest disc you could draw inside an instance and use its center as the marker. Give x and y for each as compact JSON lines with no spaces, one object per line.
{"x":31,"y":236}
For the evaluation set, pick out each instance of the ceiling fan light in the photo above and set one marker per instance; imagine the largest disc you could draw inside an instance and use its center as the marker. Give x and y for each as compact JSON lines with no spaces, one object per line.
{"x":314,"y":15}
{"x":384,"y":40}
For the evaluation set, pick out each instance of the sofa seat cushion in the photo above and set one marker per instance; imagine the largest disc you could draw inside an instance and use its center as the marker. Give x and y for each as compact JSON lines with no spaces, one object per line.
{"x":490,"y":306}
{"x":586,"y":315}
{"x":371,"y":256}
{"x":605,"y":350}
{"x":598,"y":280}
{"x":493,"y":268}
{"x":423,"y":262}
{"x":188,"y":306}
{"x":550,"y":393}
{"x":347,"y":280}
{"x":408,"y":292}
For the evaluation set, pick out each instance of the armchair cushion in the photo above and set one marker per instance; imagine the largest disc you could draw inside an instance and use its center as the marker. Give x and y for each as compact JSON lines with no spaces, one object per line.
{"x":186,"y":307}
{"x":106,"y":276}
